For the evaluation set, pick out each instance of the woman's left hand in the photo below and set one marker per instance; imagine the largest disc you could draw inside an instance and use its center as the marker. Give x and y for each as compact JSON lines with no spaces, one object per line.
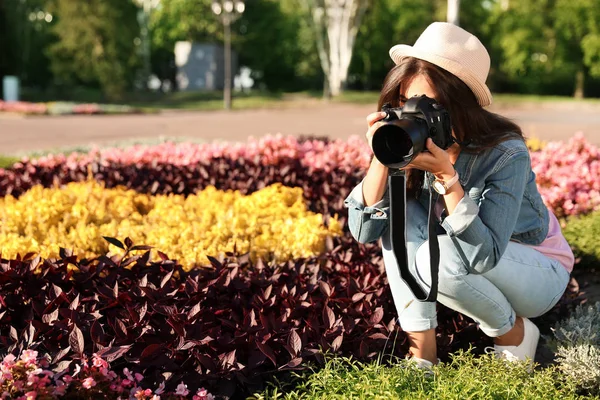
{"x":435,"y":160}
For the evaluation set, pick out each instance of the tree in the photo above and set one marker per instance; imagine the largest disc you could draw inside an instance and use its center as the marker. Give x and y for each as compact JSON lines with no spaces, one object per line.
{"x":24,"y":29}
{"x":335,"y":24}
{"x":577,"y":25}
{"x":386,"y":23}
{"x":548,"y":46}
{"x":96,"y":44}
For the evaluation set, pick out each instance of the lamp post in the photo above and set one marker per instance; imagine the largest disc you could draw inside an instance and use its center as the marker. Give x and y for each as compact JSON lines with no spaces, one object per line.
{"x":228,"y":11}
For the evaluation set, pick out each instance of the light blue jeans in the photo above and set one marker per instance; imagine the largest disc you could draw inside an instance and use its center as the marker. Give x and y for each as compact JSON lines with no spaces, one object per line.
{"x":524,"y":282}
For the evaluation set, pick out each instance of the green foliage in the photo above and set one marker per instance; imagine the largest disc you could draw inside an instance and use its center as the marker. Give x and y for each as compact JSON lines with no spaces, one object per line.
{"x":95,"y":44}
{"x":467,"y":376}
{"x":576,"y":342}
{"x":24,"y":30}
{"x":581,"y":364}
{"x":279,"y":47}
{"x":386,"y":23}
{"x":582,"y":327}
{"x":582,"y":233}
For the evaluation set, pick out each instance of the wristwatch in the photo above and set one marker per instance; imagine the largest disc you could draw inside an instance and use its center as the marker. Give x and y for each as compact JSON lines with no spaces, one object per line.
{"x":442,"y":187}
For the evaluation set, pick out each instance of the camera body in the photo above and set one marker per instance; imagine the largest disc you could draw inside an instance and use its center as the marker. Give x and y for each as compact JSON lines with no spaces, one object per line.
{"x":406,"y":129}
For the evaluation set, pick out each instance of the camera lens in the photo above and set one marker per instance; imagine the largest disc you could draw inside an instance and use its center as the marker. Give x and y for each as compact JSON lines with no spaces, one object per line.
{"x":396,"y":144}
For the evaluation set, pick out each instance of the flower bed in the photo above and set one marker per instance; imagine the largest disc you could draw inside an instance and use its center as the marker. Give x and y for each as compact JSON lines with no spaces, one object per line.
{"x":257,"y":310}
{"x":64,"y":108}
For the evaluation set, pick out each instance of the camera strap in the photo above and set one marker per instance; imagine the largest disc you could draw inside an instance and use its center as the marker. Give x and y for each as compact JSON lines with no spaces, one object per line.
{"x":398,"y":218}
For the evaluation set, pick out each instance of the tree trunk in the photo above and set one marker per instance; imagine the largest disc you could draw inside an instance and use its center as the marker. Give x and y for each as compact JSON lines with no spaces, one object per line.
{"x":453,"y":12}
{"x":335,"y":24}
{"x":579,"y":83}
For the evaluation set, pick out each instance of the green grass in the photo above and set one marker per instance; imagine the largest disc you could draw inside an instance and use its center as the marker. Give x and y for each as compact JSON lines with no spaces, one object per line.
{"x":7,"y":161}
{"x":466,"y":377}
{"x":214,"y":100}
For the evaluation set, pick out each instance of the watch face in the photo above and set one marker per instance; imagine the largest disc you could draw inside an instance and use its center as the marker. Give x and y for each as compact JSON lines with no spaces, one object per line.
{"x":439,"y":187}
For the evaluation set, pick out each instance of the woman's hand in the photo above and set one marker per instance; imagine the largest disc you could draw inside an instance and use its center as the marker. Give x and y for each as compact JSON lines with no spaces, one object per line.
{"x":435,"y":160}
{"x":372,"y":121}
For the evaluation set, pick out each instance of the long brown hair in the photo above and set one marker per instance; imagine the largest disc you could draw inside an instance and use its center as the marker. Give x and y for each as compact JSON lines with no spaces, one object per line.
{"x":475,"y":128}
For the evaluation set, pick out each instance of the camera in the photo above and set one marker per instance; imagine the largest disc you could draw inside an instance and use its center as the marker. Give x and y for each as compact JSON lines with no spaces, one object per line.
{"x":406,"y":129}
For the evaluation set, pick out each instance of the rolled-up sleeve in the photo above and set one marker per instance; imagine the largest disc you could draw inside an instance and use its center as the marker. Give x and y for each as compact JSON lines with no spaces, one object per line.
{"x":366,"y":223}
{"x":481,"y":232}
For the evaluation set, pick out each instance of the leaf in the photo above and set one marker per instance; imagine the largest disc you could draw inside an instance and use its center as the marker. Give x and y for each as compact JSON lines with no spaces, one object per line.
{"x":377,"y":336}
{"x":140,"y":247}
{"x":114,"y":242}
{"x":50,"y":317}
{"x":325,"y":288}
{"x":166,"y":278}
{"x":328,"y":317}
{"x":128,"y":242}
{"x":295,"y":342}
{"x":76,"y":340}
{"x":267,"y":351}
{"x":377,"y":316}
{"x":227,"y":358}
{"x":267,"y":292}
{"x":97,"y":332}
{"x":358,"y":297}
{"x":337,"y":342}
{"x":293,"y":363}
{"x":195,"y":310}
{"x":75,"y":303}
{"x":113,"y":353}
{"x":142,"y":311}
{"x":13,"y":334}
{"x":150,"y":351}
{"x":61,"y":354}
{"x":62,"y":366}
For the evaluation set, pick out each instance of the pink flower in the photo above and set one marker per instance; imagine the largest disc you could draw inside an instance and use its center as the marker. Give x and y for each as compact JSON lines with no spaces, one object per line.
{"x":30,"y":395}
{"x":88,"y":382}
{"x":67,"y":379}
{"x":29,"y":356}
{"x":9,"y":360}
{"x":142,"y":394}
{"x":138,"y":377}
{"x":202,"y":394}
{"x":182,"y":390}
{"x":98,"y":362}
{"x":161,"y":388}
{"x":127,"y":373}
{"x":59,"y":389}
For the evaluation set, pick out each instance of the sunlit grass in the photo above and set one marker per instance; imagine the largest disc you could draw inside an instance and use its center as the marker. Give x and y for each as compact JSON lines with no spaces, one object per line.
{"x":466,"y":377}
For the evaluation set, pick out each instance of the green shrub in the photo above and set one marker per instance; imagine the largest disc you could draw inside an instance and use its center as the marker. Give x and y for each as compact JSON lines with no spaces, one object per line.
{"x":7,"y":161}
{"x":582,"y":327}
{"x":582,"y":234}
{"x":576,"y":343}
{"x":581,"y":364}
{"x":466,"y":377}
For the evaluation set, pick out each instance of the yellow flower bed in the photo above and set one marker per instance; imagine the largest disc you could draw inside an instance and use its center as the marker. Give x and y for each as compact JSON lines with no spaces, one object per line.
{"x":272,"y":223}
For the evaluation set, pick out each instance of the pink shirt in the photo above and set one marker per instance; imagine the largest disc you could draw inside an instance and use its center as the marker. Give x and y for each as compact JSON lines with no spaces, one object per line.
{"x":555,"y":245}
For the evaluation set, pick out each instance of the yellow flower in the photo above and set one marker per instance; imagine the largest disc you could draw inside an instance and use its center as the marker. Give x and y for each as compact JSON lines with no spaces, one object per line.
{"x":273,"y":222}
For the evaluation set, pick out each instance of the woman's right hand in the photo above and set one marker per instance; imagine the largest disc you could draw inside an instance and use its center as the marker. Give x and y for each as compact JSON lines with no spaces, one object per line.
{"x":372,"y":122}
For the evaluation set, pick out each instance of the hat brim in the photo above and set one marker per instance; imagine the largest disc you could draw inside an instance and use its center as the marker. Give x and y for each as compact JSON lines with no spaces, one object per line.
{"x":480,"y":89}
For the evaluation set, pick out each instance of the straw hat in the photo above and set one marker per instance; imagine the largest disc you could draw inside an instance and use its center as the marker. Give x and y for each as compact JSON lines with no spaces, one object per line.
{"x":455,"y":50}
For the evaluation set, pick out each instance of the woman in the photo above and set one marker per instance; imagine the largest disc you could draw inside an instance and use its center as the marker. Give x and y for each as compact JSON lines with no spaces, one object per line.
{"x":503,"y":256}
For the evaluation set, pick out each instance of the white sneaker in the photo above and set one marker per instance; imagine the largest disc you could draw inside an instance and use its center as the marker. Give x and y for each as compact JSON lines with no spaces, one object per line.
{"x":423,"y":364}
{"x":526,"y":350}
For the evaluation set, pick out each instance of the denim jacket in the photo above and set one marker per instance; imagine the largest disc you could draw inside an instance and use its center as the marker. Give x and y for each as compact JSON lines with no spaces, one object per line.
{"x":501,"y":203}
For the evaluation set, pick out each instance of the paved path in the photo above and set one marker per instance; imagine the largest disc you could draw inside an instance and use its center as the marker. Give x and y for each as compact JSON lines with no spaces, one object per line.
{"x":19,"y":134}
